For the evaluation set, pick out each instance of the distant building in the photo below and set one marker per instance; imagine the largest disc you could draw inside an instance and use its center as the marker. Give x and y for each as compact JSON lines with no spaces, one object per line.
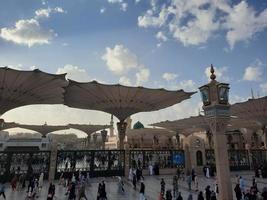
{"x":12,"y":143}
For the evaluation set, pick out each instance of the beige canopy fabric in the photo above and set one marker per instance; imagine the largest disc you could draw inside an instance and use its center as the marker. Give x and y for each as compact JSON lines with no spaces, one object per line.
{"x":43,"y":129}
{"x":238,"y":123}
{"x":88,"y":128}
{"x":7,"y":125}
{"x":20,"y":88}
{"x":121,"y":101}
{"x":253,"y":109}
{"x":185,"y":126}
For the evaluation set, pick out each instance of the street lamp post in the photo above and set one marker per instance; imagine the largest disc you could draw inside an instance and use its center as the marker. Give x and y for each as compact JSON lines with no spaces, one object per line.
{"x":216,"y":107}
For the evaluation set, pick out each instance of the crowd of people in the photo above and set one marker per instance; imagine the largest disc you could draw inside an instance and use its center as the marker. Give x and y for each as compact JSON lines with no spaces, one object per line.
{"x":76,"y":183}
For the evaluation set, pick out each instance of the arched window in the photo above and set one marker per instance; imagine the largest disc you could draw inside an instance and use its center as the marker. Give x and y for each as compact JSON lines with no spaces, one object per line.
{"x":199,"y":158}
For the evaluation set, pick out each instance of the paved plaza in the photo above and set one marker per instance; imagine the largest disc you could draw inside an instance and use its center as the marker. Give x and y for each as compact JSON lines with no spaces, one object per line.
{"x":152,"y":184}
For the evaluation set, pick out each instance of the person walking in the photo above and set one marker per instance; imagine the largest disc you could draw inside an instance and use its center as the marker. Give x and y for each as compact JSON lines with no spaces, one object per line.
{"x":134,"y":181}
{"x":162,"y":186}
{"x":179,"y":196}
{"x":213,"y":196}
{"x":189,"y":181}
{"x":190,"y":197}
{"x":2,"y":190}
{"x":81,"y":193}
{"x":72,"y":195}
{"x":196,"y":183}
{"x":175,"y":186}
{"x":14,"y":183}
{"x":238,"y":192}
{"x":200,"y":196}
{"x":51,"y":192}
{"x":242,"y":184}
{"x":41,"y":181}
{"x":168,"y":195}
{"x":208,"y":192}
{"x":142,"y":191}
{"x":120,"y":186}
{"x":264,"y":193}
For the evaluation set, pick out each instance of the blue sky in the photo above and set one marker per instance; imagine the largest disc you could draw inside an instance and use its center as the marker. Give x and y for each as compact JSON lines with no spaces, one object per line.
{"x":154,"y":43}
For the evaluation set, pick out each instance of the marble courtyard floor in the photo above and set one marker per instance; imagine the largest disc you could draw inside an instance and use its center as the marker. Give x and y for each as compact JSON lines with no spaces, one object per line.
{"x":152,"y":184}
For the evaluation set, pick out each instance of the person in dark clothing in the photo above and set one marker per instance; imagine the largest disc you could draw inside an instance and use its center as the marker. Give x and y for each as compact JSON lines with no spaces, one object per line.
{"x":162,"y":186}
{"x":103,"y":193}
{"x":51,"y":191}
{"x":99,"y":191}
{"x":72,"y":195}
{"x":142,"y":191}
{"x":238,"y":192}
{"x":213,"y":196}
{"x":264,"y":193}
{"x":200,"y":196}
{"x":208,"y":192}
{"x":179,"y":196}
{"x":193,"y":174}
{"x":134,"y":181}
{"x":168,"y":195}
{"x":2,"y":190}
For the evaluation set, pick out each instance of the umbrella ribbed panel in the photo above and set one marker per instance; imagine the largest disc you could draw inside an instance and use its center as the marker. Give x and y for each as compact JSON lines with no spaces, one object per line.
{"x":238,"y":123}
{"x":253,"y":109}
{"x":20,"y":88}
{"x":185,"y":126}
{"x":8,"y":125}
{"x":121,"y":101}
{"x":43,"y":129}
{"x":88,"y":128}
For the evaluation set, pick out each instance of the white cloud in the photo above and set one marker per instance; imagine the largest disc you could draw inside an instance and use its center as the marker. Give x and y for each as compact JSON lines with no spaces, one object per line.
{"x":220,"y":72}
{"x":142,"y":76}
{"x":102,"y":10}
{"x":195,"y":22}
{"x":27,"y":32}
{"x":125,"y":81}
{"x":253,"y":72}
{"x":187,"y":85}
{"x":243,"y":22}
{"x":45,"y":12}
{"x":120,"y":59}
{"x":150,"y":20}
{"x":169,"y":76}
{"x":74,"y":72}
{"x":160,"y":36}
{"x":123,"y":5}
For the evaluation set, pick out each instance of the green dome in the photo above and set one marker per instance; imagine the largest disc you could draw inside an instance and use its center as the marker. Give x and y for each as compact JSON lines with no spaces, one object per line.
{"x":138,"y":125}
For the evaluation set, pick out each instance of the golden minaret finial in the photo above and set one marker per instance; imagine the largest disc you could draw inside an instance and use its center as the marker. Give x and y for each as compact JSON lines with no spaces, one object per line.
{"x":212,"y":76}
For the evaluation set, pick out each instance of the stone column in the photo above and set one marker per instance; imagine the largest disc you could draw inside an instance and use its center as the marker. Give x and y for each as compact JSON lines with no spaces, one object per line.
{"x":188,"y":165}
{"x":53,"y":160}
{"x":121,"y":132}
{"x":218,"y":126}
{"x":104,"y":135}
{"x":209,"y":136}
